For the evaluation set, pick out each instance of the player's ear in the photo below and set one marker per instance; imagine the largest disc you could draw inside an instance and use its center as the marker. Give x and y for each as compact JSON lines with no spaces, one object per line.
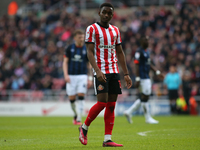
{"x":99,"y":12}
{"x":74,"y":38}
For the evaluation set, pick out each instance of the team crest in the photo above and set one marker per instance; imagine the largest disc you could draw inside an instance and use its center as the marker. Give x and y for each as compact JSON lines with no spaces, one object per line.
{"x":100,"y":87}
{"x":84,"y":52}
{"x":114,"y":38}
{"x":87,"y":35}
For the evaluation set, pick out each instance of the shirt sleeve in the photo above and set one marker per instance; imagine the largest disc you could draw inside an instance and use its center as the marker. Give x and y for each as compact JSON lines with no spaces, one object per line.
{"x":67,"y":52}
{"x":137,"y":57}
{"x":119,"y":40}
{"x":90,"y":34}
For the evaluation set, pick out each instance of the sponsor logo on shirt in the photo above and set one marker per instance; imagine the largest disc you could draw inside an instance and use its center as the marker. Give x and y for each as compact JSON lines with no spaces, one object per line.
{"x":87,"y":35}
{"x":107,"y":46}
{"x":77,"y":58}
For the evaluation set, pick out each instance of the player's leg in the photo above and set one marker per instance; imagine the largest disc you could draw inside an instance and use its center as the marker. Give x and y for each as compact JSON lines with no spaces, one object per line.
{"x":109,"y":116}
{"x":81,"y":90}
{"x":71,"y":92}
{"x":93,"y":113}
{"x":134,"y":107}
{"x":101,"y":89}
{"x":146,"y":91}
{"x":80,"y":107}
{"x":173,"y":95}
{"x":72,"y":100}
{"x":145,"y":106}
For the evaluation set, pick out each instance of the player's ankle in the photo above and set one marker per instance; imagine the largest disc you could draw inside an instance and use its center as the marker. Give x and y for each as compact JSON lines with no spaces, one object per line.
{"x":107,"y":137}
{"x":84,"y":126}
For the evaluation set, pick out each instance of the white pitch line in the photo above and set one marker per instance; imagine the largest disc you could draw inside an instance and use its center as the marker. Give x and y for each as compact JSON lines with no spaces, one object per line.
{"x":144,"y":133}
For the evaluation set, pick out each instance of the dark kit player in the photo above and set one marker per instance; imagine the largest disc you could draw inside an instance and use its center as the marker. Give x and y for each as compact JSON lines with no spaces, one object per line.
{"x":143,"y":66}
{"x":104,"y":49}
{"x":75,"y":68}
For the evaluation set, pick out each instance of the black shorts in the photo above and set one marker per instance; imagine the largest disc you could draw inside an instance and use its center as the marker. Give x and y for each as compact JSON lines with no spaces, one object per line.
{"x":173,"y":94}
{"x":112,"y":86}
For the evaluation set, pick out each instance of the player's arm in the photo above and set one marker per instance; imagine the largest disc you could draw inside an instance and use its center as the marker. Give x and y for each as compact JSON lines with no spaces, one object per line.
{"x":65,"y":69}
{"x":89,"y":69}
{"x":90,"y":75}
{"x":122,"y":62}
{"x":137,"y":73}
{"x":90,"y":54}
{"x":158,"y":73}
{"x":137,"y":65}
{"x":165,"y":81}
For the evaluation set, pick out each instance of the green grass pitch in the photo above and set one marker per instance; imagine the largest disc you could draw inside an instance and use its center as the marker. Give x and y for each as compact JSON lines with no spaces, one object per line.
{"x":58,"y":133}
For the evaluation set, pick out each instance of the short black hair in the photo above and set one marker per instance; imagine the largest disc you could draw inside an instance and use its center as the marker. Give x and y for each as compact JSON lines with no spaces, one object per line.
{"x":143,"y":38}
{"x":106,"y":4}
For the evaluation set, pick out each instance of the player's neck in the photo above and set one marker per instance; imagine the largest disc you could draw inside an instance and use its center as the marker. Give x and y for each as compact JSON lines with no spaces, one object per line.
{"x":79,"y":44}
{"x":103,"y":24}
{"x":144,"y":48}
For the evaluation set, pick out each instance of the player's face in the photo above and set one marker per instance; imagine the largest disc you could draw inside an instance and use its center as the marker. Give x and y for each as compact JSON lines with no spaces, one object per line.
{"x":79,"y":39}
{"x":106,"y":14}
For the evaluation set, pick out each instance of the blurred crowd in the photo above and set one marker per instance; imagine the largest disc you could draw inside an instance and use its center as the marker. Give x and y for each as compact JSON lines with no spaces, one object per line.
{"x":32,"y":45}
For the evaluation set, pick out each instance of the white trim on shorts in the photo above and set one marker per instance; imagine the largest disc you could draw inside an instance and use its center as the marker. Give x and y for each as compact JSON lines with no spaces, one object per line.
{"x":95,"y":90}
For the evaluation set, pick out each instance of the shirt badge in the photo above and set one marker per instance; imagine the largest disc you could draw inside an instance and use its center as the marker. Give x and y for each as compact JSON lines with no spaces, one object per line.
{"x":114,"y":38}
{"x":100,"y":87}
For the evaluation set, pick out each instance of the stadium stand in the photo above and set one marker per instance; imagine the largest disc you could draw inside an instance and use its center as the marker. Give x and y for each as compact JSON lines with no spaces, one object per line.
{"x":32,"y":42}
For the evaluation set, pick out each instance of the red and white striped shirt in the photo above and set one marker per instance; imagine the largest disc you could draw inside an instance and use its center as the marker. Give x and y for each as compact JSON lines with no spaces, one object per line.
{"x":105,"y":41}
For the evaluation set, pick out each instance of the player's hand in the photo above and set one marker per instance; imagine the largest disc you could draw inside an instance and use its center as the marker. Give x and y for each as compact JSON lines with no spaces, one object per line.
{"x":128,"y":81}
{"x":101,"y":76}
{"x":67,"y":79}
{"x":137,"y":84}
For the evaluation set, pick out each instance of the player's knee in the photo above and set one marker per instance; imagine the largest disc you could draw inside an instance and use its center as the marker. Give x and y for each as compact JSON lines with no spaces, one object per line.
{"x":144,"y":98}
{"x":72,"y":101}
{"x":81,"y":98}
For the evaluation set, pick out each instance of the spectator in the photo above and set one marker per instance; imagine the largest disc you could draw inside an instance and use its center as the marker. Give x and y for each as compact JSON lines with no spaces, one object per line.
{"x":187,"y":87}
{"x":37,"y":39}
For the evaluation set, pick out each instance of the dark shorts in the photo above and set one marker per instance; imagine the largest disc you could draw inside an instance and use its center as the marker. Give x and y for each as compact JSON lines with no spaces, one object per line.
{"x":173,"y":94}
{"x":112,"y":86}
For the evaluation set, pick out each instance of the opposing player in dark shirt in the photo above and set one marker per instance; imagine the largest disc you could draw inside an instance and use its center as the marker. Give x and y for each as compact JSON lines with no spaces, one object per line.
{"x":143,"y":66}
{"x":75,"y":70}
